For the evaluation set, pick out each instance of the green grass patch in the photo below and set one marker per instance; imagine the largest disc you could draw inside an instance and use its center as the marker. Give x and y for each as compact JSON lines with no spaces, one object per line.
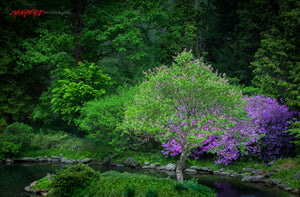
{"x":43,"y":183}
{"x":110,"y":184}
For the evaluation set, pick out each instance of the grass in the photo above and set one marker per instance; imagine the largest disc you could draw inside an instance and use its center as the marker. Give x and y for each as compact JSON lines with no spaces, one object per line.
{"x":43,"y":183}
{"x":110,"y":184}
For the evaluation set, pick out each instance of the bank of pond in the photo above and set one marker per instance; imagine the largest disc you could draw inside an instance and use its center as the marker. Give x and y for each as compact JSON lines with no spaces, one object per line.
{"x":102,"y":180}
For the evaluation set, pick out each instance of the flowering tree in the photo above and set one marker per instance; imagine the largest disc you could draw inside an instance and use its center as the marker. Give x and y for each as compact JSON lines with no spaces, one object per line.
{"x":186,"y":102}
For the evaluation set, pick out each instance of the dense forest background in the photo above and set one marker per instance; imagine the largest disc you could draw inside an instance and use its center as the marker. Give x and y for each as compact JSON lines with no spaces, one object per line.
{"x":51,"y":65}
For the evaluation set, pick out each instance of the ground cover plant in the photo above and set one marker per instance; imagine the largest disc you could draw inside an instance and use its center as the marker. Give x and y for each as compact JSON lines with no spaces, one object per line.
{"x":113,"y":183}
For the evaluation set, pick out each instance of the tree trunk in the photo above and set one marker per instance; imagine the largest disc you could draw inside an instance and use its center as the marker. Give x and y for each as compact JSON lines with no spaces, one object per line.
{"x":78,"y":24}
{"x":183,"y":157}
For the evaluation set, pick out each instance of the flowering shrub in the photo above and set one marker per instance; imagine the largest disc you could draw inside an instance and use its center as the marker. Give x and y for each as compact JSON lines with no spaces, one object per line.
{"x":264,"y":135}
{"x":274,"y":118}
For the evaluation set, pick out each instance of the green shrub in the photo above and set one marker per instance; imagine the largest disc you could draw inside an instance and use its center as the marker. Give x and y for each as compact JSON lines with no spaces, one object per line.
{"x":71,"y":179}
{"x":112,"y":184}
{"x":9,"y":149}
{"x":15,"y":137}
{"x":18,"y":133}
{"x":100,"y":117}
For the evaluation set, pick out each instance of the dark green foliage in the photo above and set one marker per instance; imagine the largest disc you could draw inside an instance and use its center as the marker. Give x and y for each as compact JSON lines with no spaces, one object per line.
{"x":276,"y":63}
{"x":129,"y":191}
{"x":19,"y":133}
{"x":16,"y":137}
{"x":295,"y":130}
{"x":151,"y":192}
{"x":71,"y":179}
{"x":8,"y":149}
{"x":180,"y":187}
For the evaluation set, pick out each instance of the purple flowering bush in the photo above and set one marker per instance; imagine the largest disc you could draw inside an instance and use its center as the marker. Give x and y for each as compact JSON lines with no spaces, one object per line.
{"x":264,"y":135}
{"x":275,"y":119}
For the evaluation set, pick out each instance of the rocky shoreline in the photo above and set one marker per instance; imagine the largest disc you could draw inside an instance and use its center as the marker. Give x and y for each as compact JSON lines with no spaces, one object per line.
{"x":252,"y":175}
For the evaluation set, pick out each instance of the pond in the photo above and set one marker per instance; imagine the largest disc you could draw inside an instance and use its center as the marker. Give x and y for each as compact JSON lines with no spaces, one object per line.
{"x":13,"y":179}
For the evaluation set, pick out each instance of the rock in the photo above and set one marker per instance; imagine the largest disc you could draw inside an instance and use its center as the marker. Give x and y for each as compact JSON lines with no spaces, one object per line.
{"x":297,"y":176}
{"x":296,"y":191}
{"x":146,"y":163}
{"x":54,"y":157}
{"x":210,"y":171}
{"x":71,"y":161}
{"x":106,"y":161}
{"x":235,"y":175}
{"x":9,"y":161}
{"x":55,"y":160}
{"x":152,"y":166}
{"x":86,"y":160}
{"x":49,"y":160}
{"x":32,"y":184}
{"x":190,"y":171}
{"x":224,"y":173}
{"x":222,"y":170}
{"x":171,"y":167}
{"x":49,"y":177}
{"x":27,"y":189}
{"x":117,"y":164}
{"x":160,"y":168}
{"x":61,"y":156}
{"x":244,"y":169}
{"x":288,"y":189}
{"x":282,"y":185}
{"x":42,"y":160}
{"x":268,"y":175}
{"x":257,"y":179}
{"x":270,"y":163}
{"x":217,"y":172}
{"x":275,"y":181}
{"x":195,"y":168}
{"x":205,"y":169}
{"x":245,"y":174}
{"x":29,"y":159}
{"x":247,"y":179}
{"x":131,"y":163}
{"x":145,"y":167}
{"x":258,"y":172}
